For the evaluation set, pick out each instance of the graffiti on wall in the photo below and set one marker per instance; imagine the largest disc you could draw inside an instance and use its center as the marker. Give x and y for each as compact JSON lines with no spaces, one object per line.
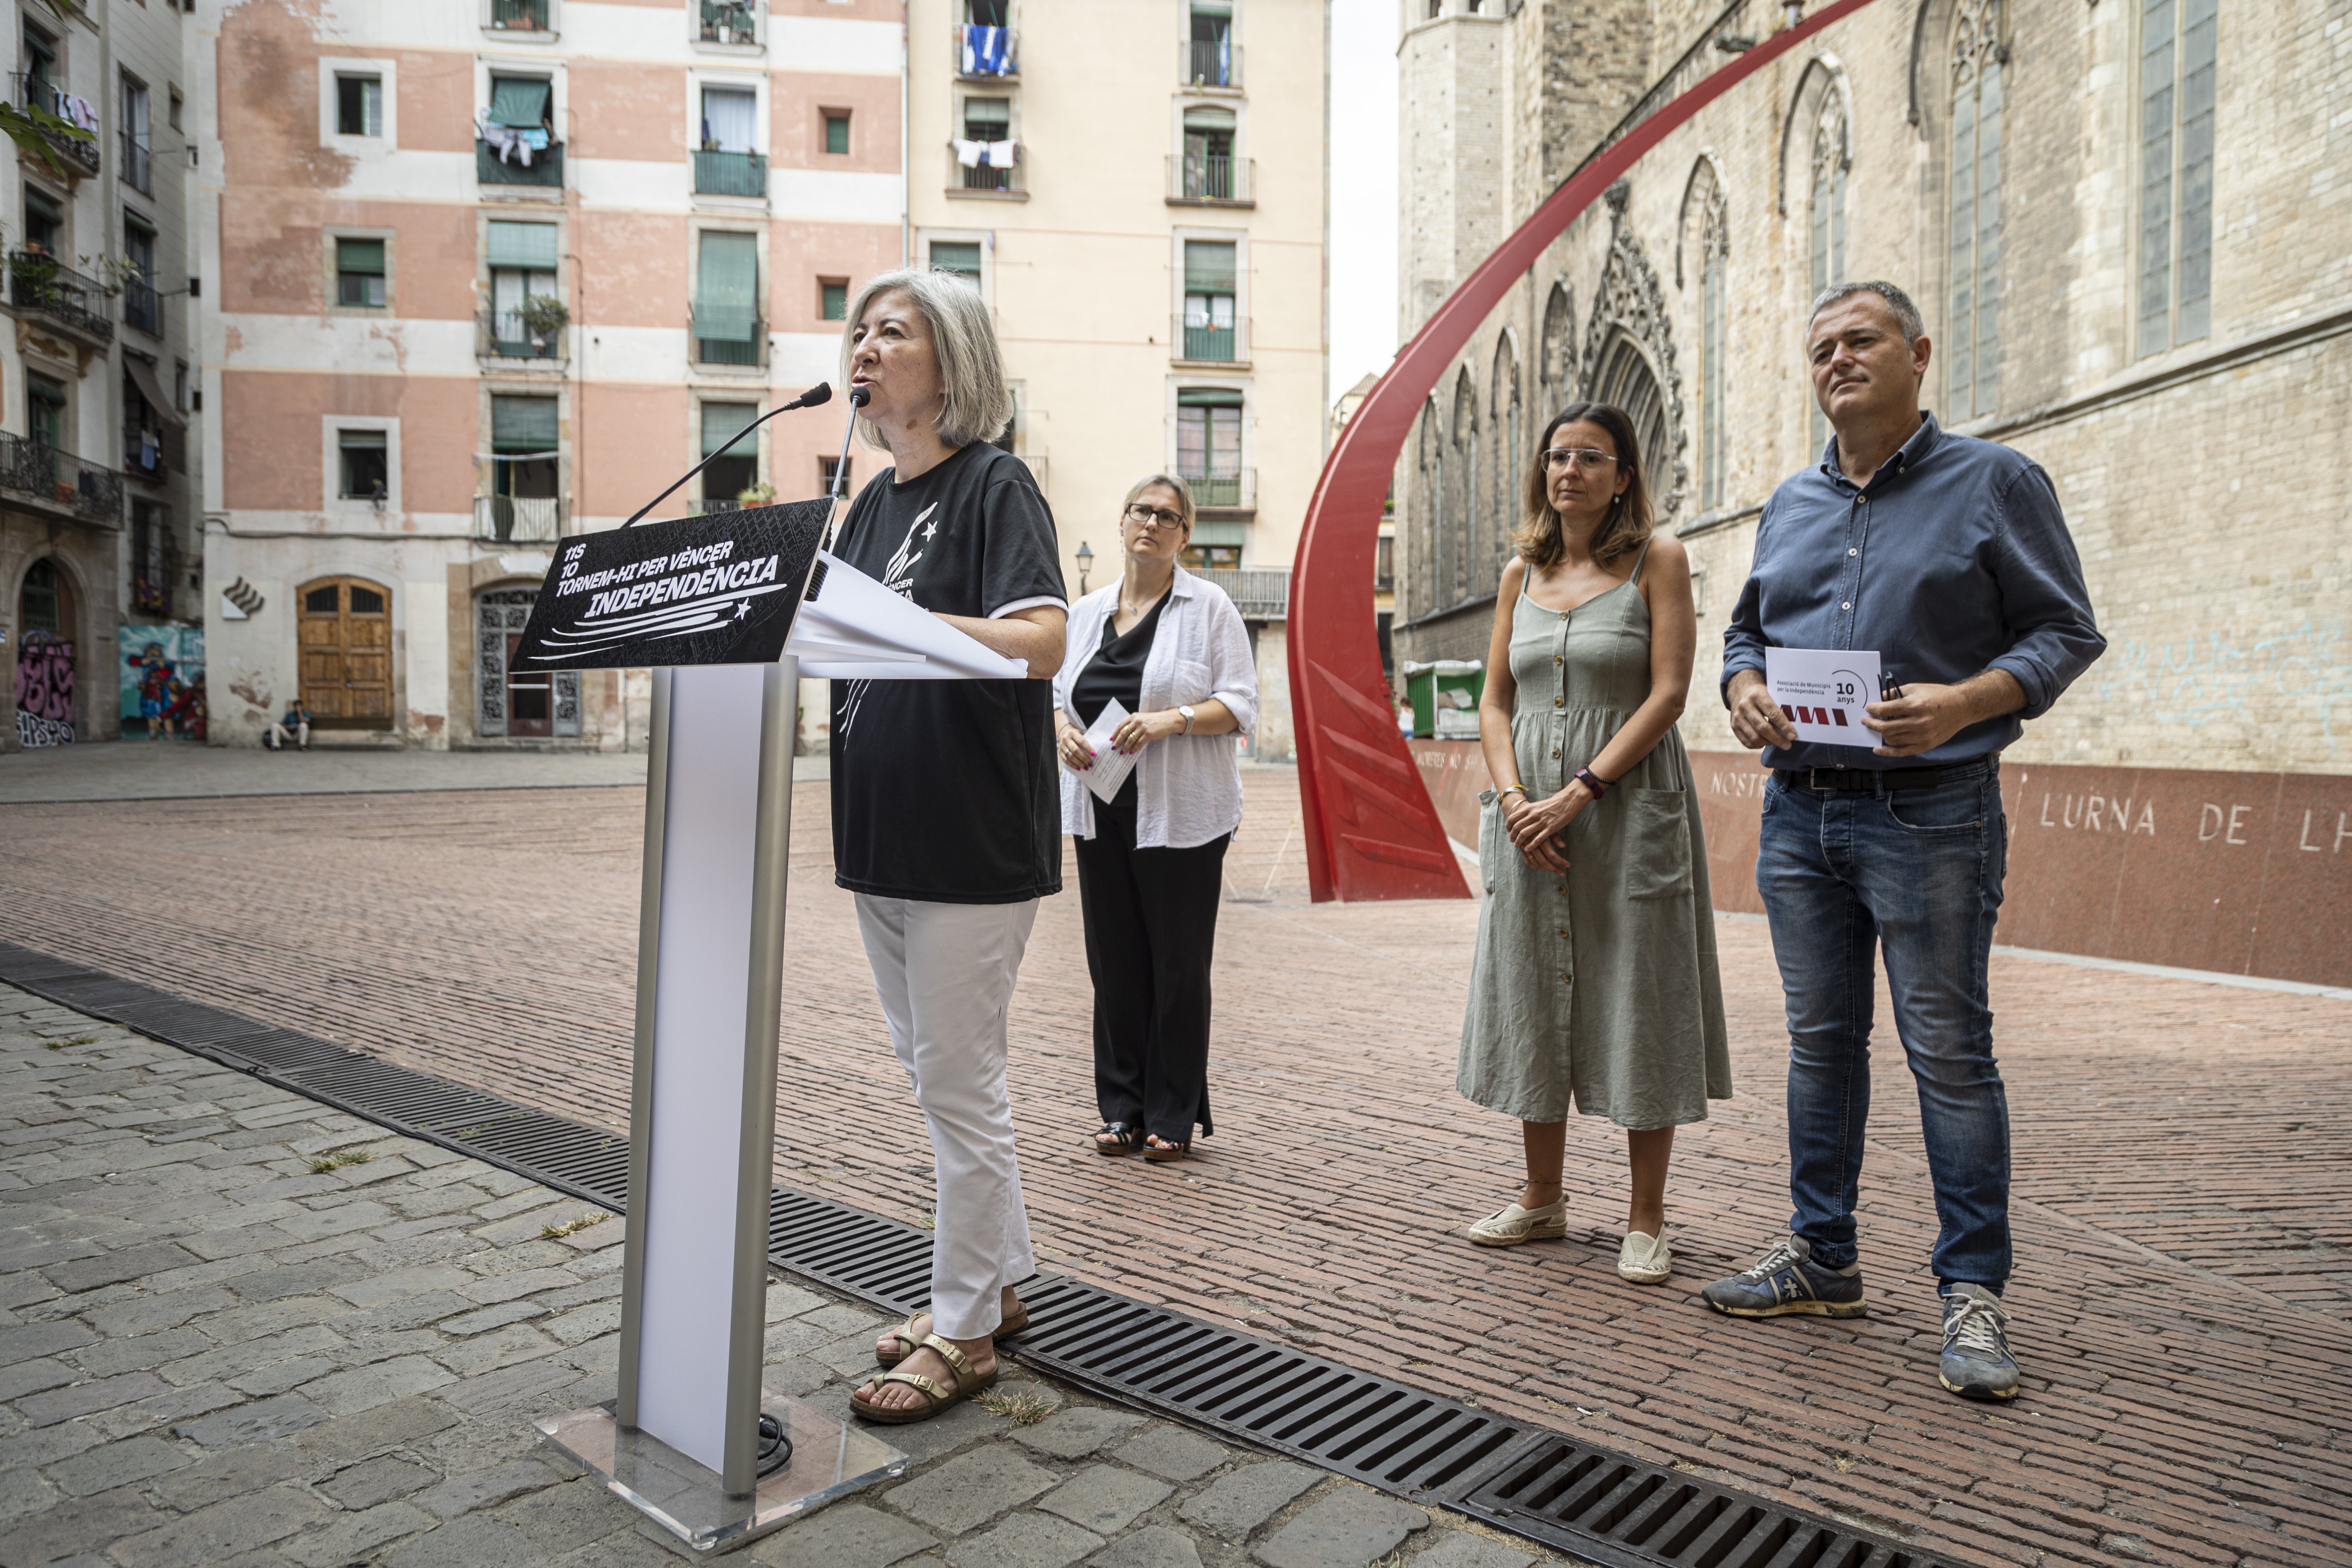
{"x":163,"y":681}
{"x":2208,"y":676}
{"x":44,"y":690}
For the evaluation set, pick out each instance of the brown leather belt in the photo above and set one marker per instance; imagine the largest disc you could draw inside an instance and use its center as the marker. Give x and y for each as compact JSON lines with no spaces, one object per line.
{"x":1864,"y":781}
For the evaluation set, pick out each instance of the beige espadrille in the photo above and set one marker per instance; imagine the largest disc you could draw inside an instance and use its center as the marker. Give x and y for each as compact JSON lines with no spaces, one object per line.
{"x":1515,"y":1225}
{"x":1645,"y":1259}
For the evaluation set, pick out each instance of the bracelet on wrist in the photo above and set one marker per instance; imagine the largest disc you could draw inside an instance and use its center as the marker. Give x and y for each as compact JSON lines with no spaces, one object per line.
{"x":1592,"y":782}
{"x":1507,"y":788}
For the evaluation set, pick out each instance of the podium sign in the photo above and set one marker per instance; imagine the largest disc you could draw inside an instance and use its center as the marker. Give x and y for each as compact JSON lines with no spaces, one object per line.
{"x":710,"y":602}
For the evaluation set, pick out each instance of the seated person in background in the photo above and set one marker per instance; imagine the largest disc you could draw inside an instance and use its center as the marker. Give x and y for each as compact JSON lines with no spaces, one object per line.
{"x":295,"y":727}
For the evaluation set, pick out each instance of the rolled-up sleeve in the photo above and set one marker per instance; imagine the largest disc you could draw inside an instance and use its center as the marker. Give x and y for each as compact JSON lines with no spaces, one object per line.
{"x":1743,"y":638}
{"x":2045,"y":603}
{"x":1233,"y":674}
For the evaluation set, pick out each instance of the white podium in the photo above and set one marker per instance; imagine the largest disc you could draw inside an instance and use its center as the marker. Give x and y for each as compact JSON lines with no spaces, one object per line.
{"x":716,"y":604}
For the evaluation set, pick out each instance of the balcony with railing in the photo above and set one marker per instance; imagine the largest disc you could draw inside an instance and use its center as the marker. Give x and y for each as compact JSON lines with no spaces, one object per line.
{"x":141,"y":307}
{"x":717,"y":173}
{"x":505,"y":335}
{"x":721,"y":336}
{"x":730,"y":22}
{"x":1258,"y":593}
{"x":518,"y":520}
{"x":518,"y":16}
{"x":1210,"y":179}
{"x":545,"y":168}
{"x":982,"y":177}
{"x":138,"y":163}
{"x":142,"y":453}
{"x":59,"y":479}
{"x":1230,"y":489}
{"x":1204,"y":62}
{"x":40,"y":282}
{"x":29,"y":92}
{"x":1207,"y":343}
{"x":975,"y":55}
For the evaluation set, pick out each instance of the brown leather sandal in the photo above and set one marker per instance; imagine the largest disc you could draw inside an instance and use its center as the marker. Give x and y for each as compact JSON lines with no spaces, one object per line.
{"x":937,"y":1395}
{"x":905,"y":1334}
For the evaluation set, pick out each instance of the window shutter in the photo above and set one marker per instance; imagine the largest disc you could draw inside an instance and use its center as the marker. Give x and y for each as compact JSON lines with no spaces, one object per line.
{"x":996,"y":112}
{"x":360,"y":255}
{"x":721,"y":421}
{"x":960,"y":257}
{"x":1209,"y":119}
{"x":726,"y":283}
{"x":518,"y":100}
{"x":1208,"y":397}
{"x":532,"y":245}
{"x":522,"y":424}
{"x":1209,"y":266}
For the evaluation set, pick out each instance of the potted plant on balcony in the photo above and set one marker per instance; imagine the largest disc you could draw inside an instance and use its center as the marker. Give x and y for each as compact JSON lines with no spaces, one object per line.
{"x":543,"y":317}
{"x":760,"y":494}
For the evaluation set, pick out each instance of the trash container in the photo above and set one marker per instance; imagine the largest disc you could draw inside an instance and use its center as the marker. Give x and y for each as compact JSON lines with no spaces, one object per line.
{"x":1444,"y":695}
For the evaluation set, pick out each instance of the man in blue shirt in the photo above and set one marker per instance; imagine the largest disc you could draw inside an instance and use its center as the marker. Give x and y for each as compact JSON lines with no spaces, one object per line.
{"x":1947,"y":556}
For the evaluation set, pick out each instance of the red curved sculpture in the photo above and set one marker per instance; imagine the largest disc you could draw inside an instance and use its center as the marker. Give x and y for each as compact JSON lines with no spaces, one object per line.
{"x":1371,"y":832}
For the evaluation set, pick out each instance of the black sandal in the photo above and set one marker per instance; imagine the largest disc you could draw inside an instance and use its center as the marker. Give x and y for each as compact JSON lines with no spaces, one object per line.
{"x":1124,"y":1138}
{"x":1165,"y":1152}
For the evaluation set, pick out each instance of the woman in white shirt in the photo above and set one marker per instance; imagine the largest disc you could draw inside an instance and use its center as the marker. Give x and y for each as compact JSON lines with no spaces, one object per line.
{"x":1171,"y":650}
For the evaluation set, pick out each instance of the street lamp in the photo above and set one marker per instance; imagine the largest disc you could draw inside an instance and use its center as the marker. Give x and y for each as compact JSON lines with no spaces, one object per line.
{"x":1086,"y":565}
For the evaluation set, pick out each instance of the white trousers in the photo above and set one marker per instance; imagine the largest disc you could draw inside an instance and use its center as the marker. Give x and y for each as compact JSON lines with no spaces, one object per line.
{"x":945,"y":974}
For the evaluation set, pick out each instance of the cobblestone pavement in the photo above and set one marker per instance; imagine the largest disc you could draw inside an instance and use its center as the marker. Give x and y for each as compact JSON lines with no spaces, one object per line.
{"x":2183,"y":1301}
{"x":220,"y":1345}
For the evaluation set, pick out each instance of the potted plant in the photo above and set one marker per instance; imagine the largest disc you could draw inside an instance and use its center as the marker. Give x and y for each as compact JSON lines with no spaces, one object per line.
{"x":760,"y":494}
{"x":543,"y":317}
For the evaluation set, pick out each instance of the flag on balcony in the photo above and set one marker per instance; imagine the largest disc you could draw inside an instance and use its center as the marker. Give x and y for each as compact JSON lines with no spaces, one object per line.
{"x":987,"y":51}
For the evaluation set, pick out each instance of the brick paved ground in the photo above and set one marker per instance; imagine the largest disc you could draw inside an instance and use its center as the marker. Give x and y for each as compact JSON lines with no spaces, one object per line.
{"x":212,"y":1352}
{"x":2184,"y":1296}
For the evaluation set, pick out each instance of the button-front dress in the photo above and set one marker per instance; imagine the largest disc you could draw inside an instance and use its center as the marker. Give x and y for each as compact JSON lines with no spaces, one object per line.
{"x":1598,"y":990}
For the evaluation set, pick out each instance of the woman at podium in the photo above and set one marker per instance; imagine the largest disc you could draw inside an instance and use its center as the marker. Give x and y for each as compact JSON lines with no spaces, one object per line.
{"x":1159,"y":672}
{"x":946,"y":821}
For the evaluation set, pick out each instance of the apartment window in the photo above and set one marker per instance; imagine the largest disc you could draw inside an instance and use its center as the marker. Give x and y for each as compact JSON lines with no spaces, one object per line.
{"x":142,"y":424}
{"x":171,"y":108}
{"x":833,"y":471}
{"x":1973,"y":340}
{"x":138,"y":150}
{"x":988,"y":12}
{"x":1208,"y":153}
{"x":47,"y":415}
{"x":1831,"y":164}
{"x":360,"y":273}
{"x":960,"y":257}
{"x":44,"y":223}
{"x":524,"y":436}
{"x":1209,"y":443}
{"x":836,"y":132}
{"x":1212,"y":44}
{"x":1209,"y":267}
{"x":725,"y":479}
{"x":141,"y":307}
{"x":518,"y":145}
{"x":366,"y":466}
{"x":725,"y":164}
{"x":832,"y":298}
{"x":988,"y":139}
{"x":727,"y":299}
{"x":359,"y":105}
{"x":730,"y":22}
{"x":521,"y":258}
{"x":2177,"y":48}
{"x":518,"y":16}
{"x":180,"y":388}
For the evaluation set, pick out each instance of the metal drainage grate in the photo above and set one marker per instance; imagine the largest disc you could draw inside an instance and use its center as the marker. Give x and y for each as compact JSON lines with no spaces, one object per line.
{"x":1601,"y":1508}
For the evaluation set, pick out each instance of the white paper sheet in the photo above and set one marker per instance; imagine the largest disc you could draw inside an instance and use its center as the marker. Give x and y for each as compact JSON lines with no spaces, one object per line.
{"x":1823,"y":691}
{"x":1111,"y":766}
{"x":855,"y":629}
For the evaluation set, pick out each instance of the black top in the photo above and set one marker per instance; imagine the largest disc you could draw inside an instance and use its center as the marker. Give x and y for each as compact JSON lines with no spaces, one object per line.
{"x":944,"y":790}
{"x":1117,"y":669}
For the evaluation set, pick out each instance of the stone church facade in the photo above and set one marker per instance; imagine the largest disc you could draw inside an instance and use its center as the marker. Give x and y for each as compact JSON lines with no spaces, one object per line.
{"x":2128,"y":223}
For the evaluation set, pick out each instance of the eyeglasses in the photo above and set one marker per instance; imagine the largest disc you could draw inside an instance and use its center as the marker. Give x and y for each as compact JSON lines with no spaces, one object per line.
{"x":1588,"y":459}
{"x":1154,"y":517}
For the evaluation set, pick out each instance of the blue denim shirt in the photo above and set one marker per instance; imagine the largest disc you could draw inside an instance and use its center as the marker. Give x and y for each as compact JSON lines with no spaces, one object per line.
{"x":1953,"y":560}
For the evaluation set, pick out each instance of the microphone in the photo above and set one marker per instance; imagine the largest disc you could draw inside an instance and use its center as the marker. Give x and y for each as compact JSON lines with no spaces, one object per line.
{"x":859,"y":396}
{"x":820,"y":393}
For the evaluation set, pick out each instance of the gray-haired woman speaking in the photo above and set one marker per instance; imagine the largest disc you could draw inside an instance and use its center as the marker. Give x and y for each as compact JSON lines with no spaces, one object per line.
{"x":943,"y":799}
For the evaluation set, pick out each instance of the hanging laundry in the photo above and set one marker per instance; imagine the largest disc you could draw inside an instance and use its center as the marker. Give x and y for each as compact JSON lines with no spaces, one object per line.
{"x":987,"y":51}
{"x":511,"y":144}
{"x":1000,"y":155}
{"x":79,"y":111}
{"x":969,"y":153}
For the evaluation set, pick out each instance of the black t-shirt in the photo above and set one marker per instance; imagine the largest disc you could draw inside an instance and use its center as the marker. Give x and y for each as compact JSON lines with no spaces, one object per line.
{"x":1117,"y":669}
{"x":944,"y":790}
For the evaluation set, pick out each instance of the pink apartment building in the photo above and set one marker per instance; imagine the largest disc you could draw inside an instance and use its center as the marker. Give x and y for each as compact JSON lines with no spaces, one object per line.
{"x":491,"y":274}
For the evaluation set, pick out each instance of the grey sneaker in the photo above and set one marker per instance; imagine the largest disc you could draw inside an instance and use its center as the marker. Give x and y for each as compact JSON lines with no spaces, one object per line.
{"x":1975,"y":1364}
{"x":1787,"y":1281}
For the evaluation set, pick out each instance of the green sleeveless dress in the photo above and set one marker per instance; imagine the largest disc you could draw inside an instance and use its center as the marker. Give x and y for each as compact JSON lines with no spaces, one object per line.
{"x":1597,"y":990}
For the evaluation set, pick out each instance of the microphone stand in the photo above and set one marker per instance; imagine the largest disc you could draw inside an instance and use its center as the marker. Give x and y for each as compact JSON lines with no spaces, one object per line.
{"x":840,"y":491}
{"x":820,"y":393}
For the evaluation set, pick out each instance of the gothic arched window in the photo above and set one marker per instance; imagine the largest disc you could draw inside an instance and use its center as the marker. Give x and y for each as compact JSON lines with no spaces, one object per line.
{"x":1832,"y":163}
{"x":1461,"y":538}
{"x":1972,"y":336}
{"x":1510,"y":461}
{"x":1428,"y":572}
{"x":1706,"y":223}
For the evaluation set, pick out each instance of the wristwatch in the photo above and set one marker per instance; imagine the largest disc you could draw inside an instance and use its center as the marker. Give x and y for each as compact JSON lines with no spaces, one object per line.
{"x":1186,"y":709}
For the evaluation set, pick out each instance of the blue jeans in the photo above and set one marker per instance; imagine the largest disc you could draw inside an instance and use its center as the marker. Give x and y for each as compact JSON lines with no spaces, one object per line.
{"x":1917,"y":872}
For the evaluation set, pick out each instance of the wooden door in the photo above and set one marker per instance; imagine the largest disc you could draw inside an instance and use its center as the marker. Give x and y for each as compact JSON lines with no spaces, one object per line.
{"x":345,"y":629}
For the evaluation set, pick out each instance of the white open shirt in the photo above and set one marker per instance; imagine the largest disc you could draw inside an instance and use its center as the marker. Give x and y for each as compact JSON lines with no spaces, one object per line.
{"x":1189,"y":787}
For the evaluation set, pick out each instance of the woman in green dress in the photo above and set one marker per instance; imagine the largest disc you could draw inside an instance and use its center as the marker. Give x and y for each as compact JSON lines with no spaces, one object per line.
{"x":1594,"y":985}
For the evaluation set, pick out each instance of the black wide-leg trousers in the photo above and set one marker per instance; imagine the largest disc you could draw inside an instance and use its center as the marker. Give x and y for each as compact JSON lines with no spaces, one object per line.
{"x":1152,"y":930}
